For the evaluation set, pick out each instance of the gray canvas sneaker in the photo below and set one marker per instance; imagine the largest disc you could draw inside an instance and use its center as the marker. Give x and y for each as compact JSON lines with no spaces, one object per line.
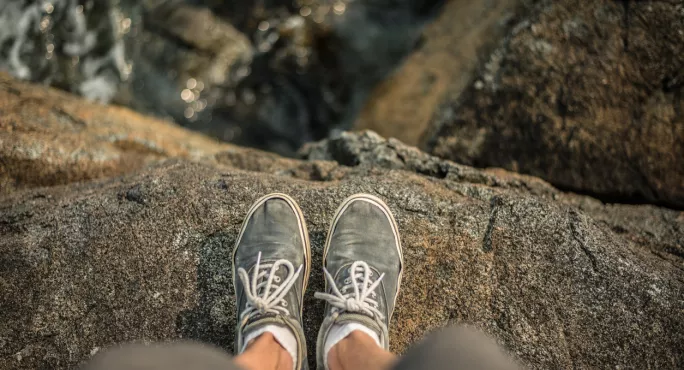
{"x":271,"y":264}
{"x":363,"y":264}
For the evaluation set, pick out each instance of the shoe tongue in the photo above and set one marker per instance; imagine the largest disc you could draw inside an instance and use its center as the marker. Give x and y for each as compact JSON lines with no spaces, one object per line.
{"x":347,"y":273}
{"x":280,"y":273}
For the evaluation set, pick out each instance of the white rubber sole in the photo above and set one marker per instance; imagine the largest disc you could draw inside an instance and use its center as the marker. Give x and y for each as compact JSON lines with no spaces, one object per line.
{"x":385,"y":209}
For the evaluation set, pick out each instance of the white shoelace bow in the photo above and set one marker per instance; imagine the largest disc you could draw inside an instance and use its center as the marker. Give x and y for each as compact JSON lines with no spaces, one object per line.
{"x":362,"y":297}
{"x":265,"y":292}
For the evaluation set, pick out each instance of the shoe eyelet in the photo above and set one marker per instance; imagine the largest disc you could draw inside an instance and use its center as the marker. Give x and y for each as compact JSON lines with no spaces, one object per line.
{"x":370,"y":274}
{"x":276,"y":279}
{"x":284,"y":304}
{"x":347,"y":281}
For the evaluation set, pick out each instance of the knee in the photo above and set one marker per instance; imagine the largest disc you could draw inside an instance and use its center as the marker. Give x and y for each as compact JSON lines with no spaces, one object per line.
{"x":453,"y":347}
{"x":167,"y":356}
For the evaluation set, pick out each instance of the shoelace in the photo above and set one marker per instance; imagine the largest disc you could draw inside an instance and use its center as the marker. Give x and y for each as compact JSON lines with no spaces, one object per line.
{"x":362,"y":297}
{"x":265,"y":281}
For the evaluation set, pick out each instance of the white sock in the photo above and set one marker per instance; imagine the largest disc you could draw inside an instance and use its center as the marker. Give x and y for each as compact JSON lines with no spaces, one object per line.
{"x":282,"y":335}
{"x":341,"y":331}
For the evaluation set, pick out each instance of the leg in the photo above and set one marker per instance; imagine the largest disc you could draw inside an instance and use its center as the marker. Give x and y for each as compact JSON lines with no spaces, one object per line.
{"x":456,"y":348}
{"x":168,"y":356}
{"x":358,"y":351}
{"x":264,"y":353}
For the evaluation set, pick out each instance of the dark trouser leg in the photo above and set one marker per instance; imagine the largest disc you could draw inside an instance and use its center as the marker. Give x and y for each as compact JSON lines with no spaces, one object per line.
{"x":169,"y":356}
{"x":455,"y":348}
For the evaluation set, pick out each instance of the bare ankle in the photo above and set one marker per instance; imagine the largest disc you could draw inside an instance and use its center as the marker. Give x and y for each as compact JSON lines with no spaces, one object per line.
{"x":359,"y":351}
{"x":264,"y":353}
{"x":335,"y":355}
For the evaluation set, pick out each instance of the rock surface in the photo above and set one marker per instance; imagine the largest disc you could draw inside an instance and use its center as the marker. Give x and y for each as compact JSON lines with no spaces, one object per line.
{"x":47,"y":138}
{"x":560,"y":280}
{"x":587,"y":95}
{"x":444,"y":65}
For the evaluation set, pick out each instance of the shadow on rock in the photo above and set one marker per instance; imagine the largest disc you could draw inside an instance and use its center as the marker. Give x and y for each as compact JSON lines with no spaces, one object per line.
{"x":214,"y":318}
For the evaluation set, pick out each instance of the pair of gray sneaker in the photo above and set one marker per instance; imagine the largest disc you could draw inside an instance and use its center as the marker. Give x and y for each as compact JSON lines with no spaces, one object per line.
{"x":272,"y":260}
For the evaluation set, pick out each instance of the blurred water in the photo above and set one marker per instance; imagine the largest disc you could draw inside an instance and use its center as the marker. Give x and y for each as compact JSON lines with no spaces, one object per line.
{"x":272,"y":74}
{"x":73,"y":45}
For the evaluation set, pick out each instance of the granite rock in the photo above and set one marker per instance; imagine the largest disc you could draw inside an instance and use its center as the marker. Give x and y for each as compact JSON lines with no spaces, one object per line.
{"x":143,"y":254}
{"x":587,"y":95}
